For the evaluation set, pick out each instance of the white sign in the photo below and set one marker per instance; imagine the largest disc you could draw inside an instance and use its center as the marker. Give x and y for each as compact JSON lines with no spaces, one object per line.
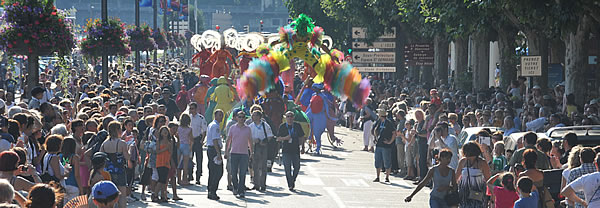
{"x":531,"y":66}
{"x":374,"y":57}
{"x":361,"y":32}
{"x":376,"y":69}
{"x":363,"y":45}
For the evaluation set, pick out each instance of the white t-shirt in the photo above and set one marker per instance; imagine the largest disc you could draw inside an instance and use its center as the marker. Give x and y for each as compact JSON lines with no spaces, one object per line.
{"x":590,"y":185}
{"x":5,"y":145}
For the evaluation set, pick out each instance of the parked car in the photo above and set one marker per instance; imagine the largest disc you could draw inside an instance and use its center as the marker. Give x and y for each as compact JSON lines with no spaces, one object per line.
{"x":586,"y":135}
{"x":470,"y":134}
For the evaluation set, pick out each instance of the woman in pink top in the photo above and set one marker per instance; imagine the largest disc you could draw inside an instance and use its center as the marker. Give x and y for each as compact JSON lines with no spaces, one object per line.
{"x":505,"y":195}
{"x":239,"y":141}
{"x":185,"y":144}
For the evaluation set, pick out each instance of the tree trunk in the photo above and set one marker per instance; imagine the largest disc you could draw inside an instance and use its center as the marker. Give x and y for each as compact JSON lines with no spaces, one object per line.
{"x":538,"y":46}
{"x":426,"y":76}
{"x":557,"y":52}
{"x":461,"y":46}
{"x":480,"y":58}
{"x":508,"y":59}
{"x":440,"y":70}
{"x":575,"y":61}
{"x":33,"y":74}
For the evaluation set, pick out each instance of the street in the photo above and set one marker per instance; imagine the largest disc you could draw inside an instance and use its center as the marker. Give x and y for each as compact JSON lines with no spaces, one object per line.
{"x":339,"y":178}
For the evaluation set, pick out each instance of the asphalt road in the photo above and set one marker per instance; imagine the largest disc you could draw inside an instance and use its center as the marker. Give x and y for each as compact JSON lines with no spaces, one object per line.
{"x":340,"y":177}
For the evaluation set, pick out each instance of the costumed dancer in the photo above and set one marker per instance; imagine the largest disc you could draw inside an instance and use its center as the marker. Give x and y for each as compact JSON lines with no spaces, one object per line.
{"x":220,"y":67}
{"x":318,"y":112}
{"x":198,"y":93}
{"x":223,"y":96}
{"x":199,"y":60}
{"x":302,"y":39}
{"x":210,"y":108}
{"x":246,"y":57}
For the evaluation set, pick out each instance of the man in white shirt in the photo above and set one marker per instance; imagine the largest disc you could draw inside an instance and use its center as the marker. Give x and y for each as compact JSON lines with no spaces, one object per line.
{"x":198,"y":126}
{"x":261,"y":131}
{"x":48,"y":92}
{"x":589,"y":184}
{"x":444,"y":140}
{"x":214,"y":144}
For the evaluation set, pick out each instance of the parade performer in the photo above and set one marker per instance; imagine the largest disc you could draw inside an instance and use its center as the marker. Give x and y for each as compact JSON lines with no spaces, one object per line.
{"x":302,"y":39}
{"x":246,"y":57}
{"x":318,"y":112}
{"x":199,"y":60}
{"x":183,"y":98}
{"x":198,"y":93}
{"x":210,"y":108}
{"x":220,"y":67}
{"x":223,"y":96}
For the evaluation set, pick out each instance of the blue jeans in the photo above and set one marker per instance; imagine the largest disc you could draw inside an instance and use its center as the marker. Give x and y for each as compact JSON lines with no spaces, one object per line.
{"x":239,"y":166}
{"x":435,"y":202}
{"x":290,"y":160}
{"x":383,"y":157}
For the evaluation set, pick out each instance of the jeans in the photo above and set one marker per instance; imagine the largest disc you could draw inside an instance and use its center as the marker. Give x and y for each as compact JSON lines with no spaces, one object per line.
{"x":422,"y":142}
{"x":383,"y":157}
{"x":290,"y":160}
{"x":435,"y":202}
{"x":197,"y":149}
{"x":215,"y":172}
{"x":239,"y":167}
{"x":259,"y":165}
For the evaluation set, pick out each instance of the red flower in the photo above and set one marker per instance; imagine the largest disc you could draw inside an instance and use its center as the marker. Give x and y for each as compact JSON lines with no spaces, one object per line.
{"x":26,"y":41}
{"x":53,"y":13}
{"x":10,"y":45}
{"x":19,"y":34}
{"x":37,"y":22}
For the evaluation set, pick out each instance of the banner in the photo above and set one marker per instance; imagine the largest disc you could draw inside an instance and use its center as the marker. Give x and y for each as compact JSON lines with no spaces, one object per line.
{"x":145,"y":3}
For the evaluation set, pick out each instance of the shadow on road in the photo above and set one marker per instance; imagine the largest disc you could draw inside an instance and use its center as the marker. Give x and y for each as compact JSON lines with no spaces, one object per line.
{"x":305,"y":193}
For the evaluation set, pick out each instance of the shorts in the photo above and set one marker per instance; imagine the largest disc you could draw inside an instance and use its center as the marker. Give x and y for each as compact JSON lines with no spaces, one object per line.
{"x":163,"y":173}
{"x":383,"y":157}
{"x":185,"y":150}
{"x":154,"y":174}
{"x":146,"y":176}
{"x":130,"y":175}
{"x":119,"y":179}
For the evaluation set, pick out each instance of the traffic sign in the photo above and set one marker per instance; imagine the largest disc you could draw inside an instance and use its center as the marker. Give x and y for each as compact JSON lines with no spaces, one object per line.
{"x":361,"y":32}
{"x":531,"y":66}
{"x":376,"y":69}
{"x":364,"y":45}
{"x":419,"y":54}
{"x":374,"y":57}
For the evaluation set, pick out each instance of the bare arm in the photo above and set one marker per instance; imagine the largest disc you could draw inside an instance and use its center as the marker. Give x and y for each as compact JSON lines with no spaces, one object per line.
{"x":569,"y":192}
{"x":421,"y":185}
{"x":461,"y":164}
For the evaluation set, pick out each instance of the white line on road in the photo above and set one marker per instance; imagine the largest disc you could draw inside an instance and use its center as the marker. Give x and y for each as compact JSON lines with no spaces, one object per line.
{"x":334,"y":196}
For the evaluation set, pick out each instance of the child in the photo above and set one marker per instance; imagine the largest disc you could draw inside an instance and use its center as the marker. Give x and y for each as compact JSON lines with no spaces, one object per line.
{"x":410,"y":152}
{"x":529,"y":196}
{"x":499,"y":161}
{"x":505,"y":195}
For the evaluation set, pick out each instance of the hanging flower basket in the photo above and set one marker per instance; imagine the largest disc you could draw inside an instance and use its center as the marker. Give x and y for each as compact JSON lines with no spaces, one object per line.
{"x":35,"y":28}
{"x":140,"y":38}
{"x":160,"y":39}
{"x":105,"y":38}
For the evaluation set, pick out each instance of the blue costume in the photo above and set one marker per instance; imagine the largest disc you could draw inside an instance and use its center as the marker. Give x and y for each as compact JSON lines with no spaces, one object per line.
{"x":210,"y":104}
{"x":318,"y":113}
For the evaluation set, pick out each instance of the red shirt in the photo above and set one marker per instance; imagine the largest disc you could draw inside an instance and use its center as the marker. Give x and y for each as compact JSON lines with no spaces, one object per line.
{"x":504,"y":197}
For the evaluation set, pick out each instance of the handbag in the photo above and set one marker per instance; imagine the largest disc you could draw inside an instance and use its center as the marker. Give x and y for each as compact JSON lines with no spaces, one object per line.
{"x":452,"y":198}
{"x":546,"y":199}
{"x":473,"y":194}
{"x":46,"y":177}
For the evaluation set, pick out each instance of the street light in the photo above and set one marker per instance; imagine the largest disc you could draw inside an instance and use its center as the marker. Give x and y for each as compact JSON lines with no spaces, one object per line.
{"x":104,"y":56}
{"x":261,"y":26}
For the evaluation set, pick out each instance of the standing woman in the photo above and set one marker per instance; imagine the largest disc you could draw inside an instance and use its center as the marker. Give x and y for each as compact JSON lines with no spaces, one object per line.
{"x":52,"y":164}
{"x":472,"y":174}
{"x":186,"y":141}
{"x":116,"y":149}
{"x":163,"y":163}
{"x":74,"y":185}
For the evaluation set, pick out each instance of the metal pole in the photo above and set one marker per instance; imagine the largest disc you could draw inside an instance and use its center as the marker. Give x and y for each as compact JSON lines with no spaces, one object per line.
{"x":166,"y":28}
{"x":195,"y":16}
{"x":104,"y":56}
{"x":155,"y":22}
{"x":137,"y":25}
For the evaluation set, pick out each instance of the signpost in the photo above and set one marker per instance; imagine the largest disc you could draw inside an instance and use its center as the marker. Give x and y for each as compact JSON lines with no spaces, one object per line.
{"x":418,"y":54}
{"x":531,"y":66}
{"x":379,"y":56}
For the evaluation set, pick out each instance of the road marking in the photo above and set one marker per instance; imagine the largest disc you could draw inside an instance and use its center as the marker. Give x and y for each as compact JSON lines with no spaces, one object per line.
{"x":354,"y":182}
{"x":311,"y":181}
{"x":334,"y":196}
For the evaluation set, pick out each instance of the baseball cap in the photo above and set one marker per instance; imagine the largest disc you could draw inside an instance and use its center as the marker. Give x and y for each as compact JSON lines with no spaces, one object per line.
{"x":104,"y":189}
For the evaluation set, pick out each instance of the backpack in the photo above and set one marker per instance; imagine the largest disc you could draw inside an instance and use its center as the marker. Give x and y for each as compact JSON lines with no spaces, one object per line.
{"x":96,"y":141}
{"x":116,"y":162}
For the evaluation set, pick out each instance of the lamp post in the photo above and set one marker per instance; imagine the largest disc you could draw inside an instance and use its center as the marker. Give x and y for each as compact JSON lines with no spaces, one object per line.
{"x":137,"y":25}
{"x":155,"y":26}
{"x":104,"y":56}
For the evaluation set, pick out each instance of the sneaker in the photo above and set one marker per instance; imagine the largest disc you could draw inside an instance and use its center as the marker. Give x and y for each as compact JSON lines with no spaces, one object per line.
{"x":376,"y":180}
{"x":387,"y":180}
{"x":197,"y":182}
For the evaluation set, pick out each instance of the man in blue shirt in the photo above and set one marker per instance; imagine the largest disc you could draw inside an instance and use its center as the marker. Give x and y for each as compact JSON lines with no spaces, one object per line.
{"x":214,"y":145}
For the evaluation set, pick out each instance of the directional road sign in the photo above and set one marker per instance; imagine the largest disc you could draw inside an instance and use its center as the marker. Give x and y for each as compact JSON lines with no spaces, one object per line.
{"x":361,"y":32}
{"x":377,"y":69}
{"x":374,"y":57}
{"x":364,"y":45}
{"x":419,"y":54}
